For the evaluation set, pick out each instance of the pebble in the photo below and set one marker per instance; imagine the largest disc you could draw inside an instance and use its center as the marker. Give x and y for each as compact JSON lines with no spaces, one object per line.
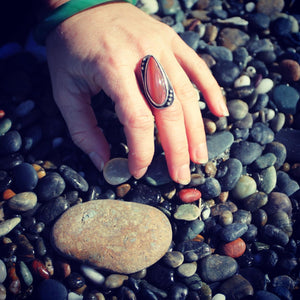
{"x":269,"y":7}
{"x":277,"y":122}
{"x":245,"y":187}
{"x":190,"y":230}
{"x":225,"y":72}
{"x":121,"y":228}
{"x":178,"y":291}
{"x":8,"y":225}
{"x":268,"y":180}
{"x":2,"y":292}
{"x":279,"y":150}
{"x":228,"y":174}
{"x":191,"y":38}
{"x":25,"y":273}
{"x":261,"y":133}
{"x":187,"y":212}
{"x":157,"y":173}
{"x":219,"y":296}
{"x":218,"y":143}
{"x":189,"y":195}
{"x":144,"y":194}
{"x":282,"y":221}
{"x":232,"y":231}
{"x":286,"y":98}
{"x":278,"y":201}
{"x":210,"y":188}
{"x":290,"y":70}
{"x":5,"y":125}
{"x":173,"y":259}
{"x":265,"y":295}
{"x":73,"y":178}
{"x":114,"y":281}
{"x":242,"y":216}
{"x":50,"y":186}
{"x":3,"y":272}
{"x":238,"y":109}
{"x":234,"y":249}
{"x":265,"y":86}
{"x":237,"y":287}
{"x":225,"y":218}
{"x":232,"y":38}
{"x":255,"y":201}
{"x":265,"y":161}
{"x":93,"y":275}
{"x":11,"y":142}
{"x":52,"y":289}
{"x":246,"y":152}
{"x":23,"y":201}
{"x":274,"y":235}
{"x":187,"y":269}
{"x":243,"y":80}
{"x":285,"y":184}
{"x":217,"y":267}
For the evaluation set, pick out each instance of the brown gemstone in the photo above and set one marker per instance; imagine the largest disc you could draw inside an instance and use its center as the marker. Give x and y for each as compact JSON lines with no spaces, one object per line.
{"x":155,"y":82}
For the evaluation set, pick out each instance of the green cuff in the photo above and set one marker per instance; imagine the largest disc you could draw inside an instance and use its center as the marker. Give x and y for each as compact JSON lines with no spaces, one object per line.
{"x":64,"y":12}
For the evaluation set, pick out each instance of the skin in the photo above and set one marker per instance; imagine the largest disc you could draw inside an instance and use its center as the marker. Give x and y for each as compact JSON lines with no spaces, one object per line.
{"x":102,"y":48}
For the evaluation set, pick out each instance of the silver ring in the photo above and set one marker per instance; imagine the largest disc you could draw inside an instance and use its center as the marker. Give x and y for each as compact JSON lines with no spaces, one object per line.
{"x":157,"y":87}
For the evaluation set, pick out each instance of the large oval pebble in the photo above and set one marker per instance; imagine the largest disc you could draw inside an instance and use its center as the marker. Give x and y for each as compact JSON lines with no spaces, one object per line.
{"x":113,"y":234}
{"x":23,"y":201}
{"x":116,"y":171}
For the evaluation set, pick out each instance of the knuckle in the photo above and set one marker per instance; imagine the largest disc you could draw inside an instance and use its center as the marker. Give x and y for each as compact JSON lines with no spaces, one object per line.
{"x":181,"y":149}
{"x":186,"y":92}
{"x":140,"y":120}
{"x":173,"y":114}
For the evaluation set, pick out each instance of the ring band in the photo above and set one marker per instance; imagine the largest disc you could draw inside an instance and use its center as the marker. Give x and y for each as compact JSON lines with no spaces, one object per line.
{"x":157,"y":87}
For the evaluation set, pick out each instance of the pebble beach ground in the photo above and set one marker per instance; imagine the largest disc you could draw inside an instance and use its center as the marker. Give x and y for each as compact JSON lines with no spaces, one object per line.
{"x":70,"y":232}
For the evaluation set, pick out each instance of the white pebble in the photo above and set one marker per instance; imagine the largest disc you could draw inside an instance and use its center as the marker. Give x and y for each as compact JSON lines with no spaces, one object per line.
{"x":74,"y":296}
{"x":202,"y":105}
{"x":243,"y":80}
{"x":251,"y":71}
{"x":265,"y":86}
{"x":149,"y":6}
{"x":270,"y":114}
{"x":92,"y":274}
{"x":219,"y":297}
{"x":250,"y":6}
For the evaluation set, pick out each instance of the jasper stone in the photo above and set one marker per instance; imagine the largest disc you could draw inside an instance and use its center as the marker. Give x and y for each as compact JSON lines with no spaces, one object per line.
{"x":109,"y":233}
{"x":234,"y":249}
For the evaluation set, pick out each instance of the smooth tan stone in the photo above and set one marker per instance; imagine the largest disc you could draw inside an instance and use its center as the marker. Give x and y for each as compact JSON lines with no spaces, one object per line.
{"x":123,"y":237}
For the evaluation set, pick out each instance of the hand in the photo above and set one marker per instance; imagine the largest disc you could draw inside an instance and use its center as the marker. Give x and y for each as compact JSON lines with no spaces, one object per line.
{"x":102,"y":48}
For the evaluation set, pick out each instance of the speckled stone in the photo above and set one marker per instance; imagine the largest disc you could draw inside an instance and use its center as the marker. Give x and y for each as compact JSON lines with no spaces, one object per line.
{"x":23,"y":201}
{"x":255,"y":201}
{"x":218,"y":143}
{"x":217,"y":267}
{"x":173,"y":259}
{"x":123,"y":230}
{"x":246,"y":152}
{"x":265,"y":85}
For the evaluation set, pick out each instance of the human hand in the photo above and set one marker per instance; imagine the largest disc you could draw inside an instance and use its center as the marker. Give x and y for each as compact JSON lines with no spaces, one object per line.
{"x":102,"y":48}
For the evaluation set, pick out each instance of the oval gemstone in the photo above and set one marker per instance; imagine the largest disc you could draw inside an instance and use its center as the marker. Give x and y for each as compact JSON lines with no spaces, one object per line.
{"x":155,"y":82}
{"x":109,"y":233}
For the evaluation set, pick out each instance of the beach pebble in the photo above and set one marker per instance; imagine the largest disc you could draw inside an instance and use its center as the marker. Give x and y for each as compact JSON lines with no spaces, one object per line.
{"x":285,"y":184}
{"x":265,"y":86}
{"x":11,"y":142}
{"x":52,"y":289}
{"x":232,"y":231}
{"x":238,"y":109}
{"x":234,"y":249}
{"x":93,"y":275}
{"x":261,"y":133}
{"x":73,"y":178}
{"x":232,"y":38}
{"x":114,"y":281}
{"x":265,"y":161}
{"x":189,"y":195}
{"x":127,"y":226}
{"x":225,"y":72}
{"x":8,"y":225}
{"x":290,"y":70}
{"x":274,"y":235}
{"x":173,"y":259}
{"x":187,"y":212}
{"x":237,"y":287}
{"x":286,"y":98}
{"x":246,"y":152}
{"x":255,"y":201}
{"x":265,"y":295}
{"x":278,"y":201}
{"x":3,"y":272}
{"x":218,"y":143}
{"x":268,"y":180}
{"x":245,"y":187}
{"x":23,"y":201}
{"x":217,"y":267}
{"x":269,"y":7}
{"x":210,"y":188}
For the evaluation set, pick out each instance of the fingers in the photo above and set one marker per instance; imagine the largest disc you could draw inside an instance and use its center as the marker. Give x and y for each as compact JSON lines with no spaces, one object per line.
{"x":82,"y":124}
{"x":201,"y":75}
{"x":137,"y":119}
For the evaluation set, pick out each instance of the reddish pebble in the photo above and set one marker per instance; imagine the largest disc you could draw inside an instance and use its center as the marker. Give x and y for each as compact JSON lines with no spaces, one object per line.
{"x":7,"y":194}
{"x":2,"y":113}
{"x":290,"y":70}
{"x":234,"y":249}
{"x":189,"y":195}
{"x":15,"y":284}
{"x":40,"y":269}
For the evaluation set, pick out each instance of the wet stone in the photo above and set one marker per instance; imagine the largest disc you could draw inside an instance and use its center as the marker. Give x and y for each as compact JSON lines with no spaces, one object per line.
{"x":114,"y":281}
{"x":265,"y":86}
{"x":50,"y":211}
{"x":251,"y":234}
{"x":286,"y":98}
{"x":274,"y":235}
{"x":218,"y":143}
{"x":265,"y":161}
{"x":23,"y":201}
{"x":278,"y":201}
{"x":73,"y":178}
{"x":262,"y":134}
{"x":225,"y":218}
{"x":157,"y":173}
{"x":246,"y":152}
{"x":187,"y":212}
{"x":25,"y":273}
{"x":219,"y":53}
{"x":193,"y":282}
{"x":279,"y":150}
{"x":193,"y":249}
{"x":52,"y":289}
{"x":228,"y":174}
{"x":281,"y":220}
{"x":268,"y":180}
{"x":160,"y":276}
{"x":245,"y":187}
{"x":189,"y":195}
{"x":245,"y":123}
{"x":285,"y":184}
{"x":187,"y":269}
{"x":122,"y":227}
{"x":232,"y":38}
{"x":237,"y":287}
{"x":3,"y":272}
{"x":277,"y":122}
{"x":25,"y":177}
{"x":265,"y":295}
{"x":242,"y":216}
{"x":5,"y":125}
{"x":11,"y":142}
{"x":178,"y":291}
{"x":210,"y":188}
{"x":238,"y":109}
{"x":173,"y":259}
{"x":144,"y":194}
{"x":290,"y":69}
{"x":225,"y":72}
{"x":190,"y":230}
{"x":191,"y":38}
{"x":232,"y":231}
{"x":234,"y":249}
{"x":255,"y":201}
{"x":8,"y":225}
{"x":217,"y":267}
{"x":50,"y":186}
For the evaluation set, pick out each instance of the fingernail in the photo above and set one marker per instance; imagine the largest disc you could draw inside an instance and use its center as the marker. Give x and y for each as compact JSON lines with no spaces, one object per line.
{"x":140,"y":173}
{"x":97,"y":160}
{"x":201,"y":154}
{"x":184,"y":174}
{"x":224,"y":108}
